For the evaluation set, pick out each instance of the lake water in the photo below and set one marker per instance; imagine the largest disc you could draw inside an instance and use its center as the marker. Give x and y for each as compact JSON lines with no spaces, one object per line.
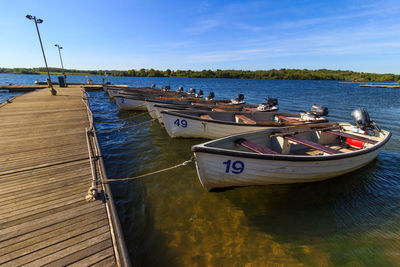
{"x":169,"y":220}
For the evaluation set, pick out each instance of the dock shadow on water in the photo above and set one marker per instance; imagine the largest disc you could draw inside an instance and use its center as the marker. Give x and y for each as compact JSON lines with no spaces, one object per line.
{"x":170,"y":220}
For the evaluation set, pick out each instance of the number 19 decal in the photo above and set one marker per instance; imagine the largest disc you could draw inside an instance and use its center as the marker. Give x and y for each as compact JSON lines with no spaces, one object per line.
{"x":235,"y":167}
{"x":182,"y":123}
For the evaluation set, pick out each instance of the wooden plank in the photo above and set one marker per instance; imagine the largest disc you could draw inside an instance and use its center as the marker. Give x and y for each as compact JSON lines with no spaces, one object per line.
{"x":58,"y":250}
{"x":46,"y":206}
{"x":312,"y":145}
{"x":75,"y":222}
{"x":75,"y":202}
{"x":255,"y":147}
{"x":26,"y":206}
{"x":48,"y":239}
{"x":103,"y":250}
{"x":245,"y":119}
{"x":352,"y":136}
{"x":218,"y":109}
{"x":48,"y":219}
{"x":106,"y":262}
{"x":95,"y":258}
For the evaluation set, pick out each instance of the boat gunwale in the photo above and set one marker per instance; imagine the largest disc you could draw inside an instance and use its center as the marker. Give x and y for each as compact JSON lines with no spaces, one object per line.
{"x":217,"y":121}
{"x":203,"y":148}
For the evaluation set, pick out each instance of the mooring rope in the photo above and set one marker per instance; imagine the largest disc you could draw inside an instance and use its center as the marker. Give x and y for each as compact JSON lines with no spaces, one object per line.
{"x":186,"y":162}
{"x":122,"y":128}
{"x":138,"y":115}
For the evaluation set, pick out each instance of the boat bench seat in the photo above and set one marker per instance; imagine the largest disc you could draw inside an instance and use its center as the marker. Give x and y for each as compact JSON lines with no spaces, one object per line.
{"x":284,"y":118}
{"x":312,"y":145}
{"x":206,"y":117}
{"x":244,"y":119}
{"x":352,"y":136}
{"x":254,"y":147}
{"x":217,"y":109}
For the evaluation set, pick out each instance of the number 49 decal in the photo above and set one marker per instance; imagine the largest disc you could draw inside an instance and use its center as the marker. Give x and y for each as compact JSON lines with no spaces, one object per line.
{"x":235,"y":167}
{"x":182,"y":123}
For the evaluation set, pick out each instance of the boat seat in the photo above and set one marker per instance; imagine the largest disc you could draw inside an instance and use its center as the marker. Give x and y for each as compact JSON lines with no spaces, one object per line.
{"x":254,"y":147}
{"x":206,"y":117}
{"x":352,"y":136}
{"x":244,"y":119}
{"x":218,"y":109}
{"x":312,"y":144}
{"x":284,"y":118}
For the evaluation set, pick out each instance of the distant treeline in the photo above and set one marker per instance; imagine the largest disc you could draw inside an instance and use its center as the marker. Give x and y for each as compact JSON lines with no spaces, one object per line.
{"x":281,"y":74}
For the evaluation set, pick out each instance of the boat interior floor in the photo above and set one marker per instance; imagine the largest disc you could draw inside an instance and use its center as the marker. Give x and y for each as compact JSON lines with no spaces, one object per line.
{"x":314,"y":152}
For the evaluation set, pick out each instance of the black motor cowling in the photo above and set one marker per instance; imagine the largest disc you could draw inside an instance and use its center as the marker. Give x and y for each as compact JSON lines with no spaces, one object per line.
{"x":192,"y":91}
{"x":271,"y":102}
{"x":167,"y":87}
{"x":200,"y":93}
{"x":318,"y":110}
{"x":361,"y":118}
{"x":180,"y":89}
{"x":211,"y":96}
{"x":153,"y":86}
{"x":239,"y":97}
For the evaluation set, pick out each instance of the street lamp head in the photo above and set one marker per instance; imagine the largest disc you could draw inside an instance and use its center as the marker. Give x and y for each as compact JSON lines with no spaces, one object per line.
{"x":39,"y":20}
{"x":29,"y":17}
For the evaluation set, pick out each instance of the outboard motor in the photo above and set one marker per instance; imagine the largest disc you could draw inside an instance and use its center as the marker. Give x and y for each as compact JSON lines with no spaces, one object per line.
{"x":270,"y":102}
{"x":363,"y":122}
{"x":318,"y":110}
{"x":192,"y":91}
{"x":361,"y":118}
{"x":167,"y":87}
{"x":210,"y":96}
{"x":200,"y":93}
{"x":153,"y":86}
{"x":239,"y":98}
{"x":180,"y":89}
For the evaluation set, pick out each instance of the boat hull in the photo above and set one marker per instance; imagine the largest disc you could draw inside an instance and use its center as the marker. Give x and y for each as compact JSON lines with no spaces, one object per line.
{"x":131,"y":104}
{"x":213,"y":169}
{"x":151,"y":109}
{"x":190,"y":128}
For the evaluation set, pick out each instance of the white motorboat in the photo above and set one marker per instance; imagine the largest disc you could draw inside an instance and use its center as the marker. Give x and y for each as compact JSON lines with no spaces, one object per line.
{"x":154,"y":106}
{"x":216,"y":124}
{"x":288,"y":154}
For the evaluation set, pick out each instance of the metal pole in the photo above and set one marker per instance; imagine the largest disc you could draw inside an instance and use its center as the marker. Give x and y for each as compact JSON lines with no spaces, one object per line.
{"x":62,"y":65}
{"x":53,"y":92}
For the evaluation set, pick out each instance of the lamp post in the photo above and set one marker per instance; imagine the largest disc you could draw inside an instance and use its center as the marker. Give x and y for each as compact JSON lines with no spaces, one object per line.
{"x":53,"y":92}
{"x":62,"y":65}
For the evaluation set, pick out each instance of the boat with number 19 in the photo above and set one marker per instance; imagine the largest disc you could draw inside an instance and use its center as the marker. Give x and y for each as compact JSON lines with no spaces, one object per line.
{"x":300,"y":154}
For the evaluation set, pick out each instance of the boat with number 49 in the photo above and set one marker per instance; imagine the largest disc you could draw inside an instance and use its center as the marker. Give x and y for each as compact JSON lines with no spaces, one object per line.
{"x":286,"y":155}
{"x":215,"y":124}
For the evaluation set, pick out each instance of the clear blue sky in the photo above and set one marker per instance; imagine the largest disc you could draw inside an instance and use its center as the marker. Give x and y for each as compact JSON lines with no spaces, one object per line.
{"x":115,"y":34}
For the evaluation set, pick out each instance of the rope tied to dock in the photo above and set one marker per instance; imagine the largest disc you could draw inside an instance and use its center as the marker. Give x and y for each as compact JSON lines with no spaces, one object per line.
{"x":186,"y":162}
{"x":122,"y":128}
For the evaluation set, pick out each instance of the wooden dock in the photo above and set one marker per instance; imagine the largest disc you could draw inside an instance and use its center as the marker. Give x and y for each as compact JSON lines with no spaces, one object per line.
{"x":45,"y":174}
{"x":21,"y":88}
{"x":381,"y":85}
